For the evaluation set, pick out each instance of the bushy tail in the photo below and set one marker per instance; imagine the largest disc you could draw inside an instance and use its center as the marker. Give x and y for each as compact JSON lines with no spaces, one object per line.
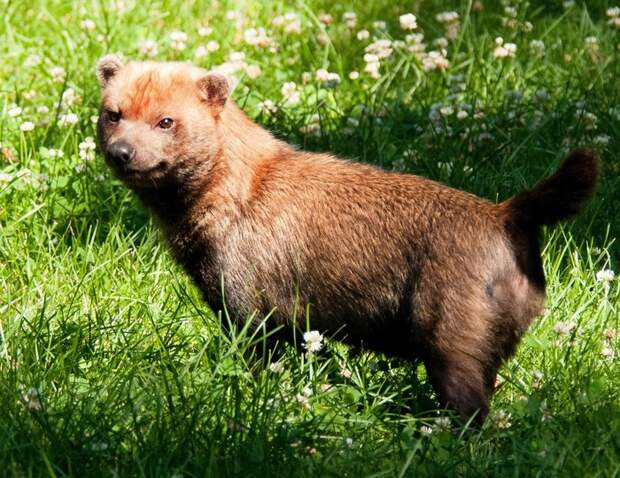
{"x":560,"y":196}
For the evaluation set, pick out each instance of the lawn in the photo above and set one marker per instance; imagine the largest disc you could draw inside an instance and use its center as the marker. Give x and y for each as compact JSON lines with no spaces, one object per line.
{"x":110,"y":363}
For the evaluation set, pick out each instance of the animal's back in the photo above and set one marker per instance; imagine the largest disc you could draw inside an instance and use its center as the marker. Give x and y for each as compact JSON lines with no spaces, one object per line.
{"x":354,"y":243}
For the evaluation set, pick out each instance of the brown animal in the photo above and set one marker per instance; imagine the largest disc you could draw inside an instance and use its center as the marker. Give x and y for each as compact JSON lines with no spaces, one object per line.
{"x":398,"y":263}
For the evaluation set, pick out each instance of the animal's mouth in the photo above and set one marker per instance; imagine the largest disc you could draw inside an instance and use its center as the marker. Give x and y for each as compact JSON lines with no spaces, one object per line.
{"x":132,"y":171}
{"x":132,"y":175}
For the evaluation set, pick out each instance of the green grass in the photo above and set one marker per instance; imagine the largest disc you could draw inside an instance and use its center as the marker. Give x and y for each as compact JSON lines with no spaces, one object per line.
{"x":110,"y":364}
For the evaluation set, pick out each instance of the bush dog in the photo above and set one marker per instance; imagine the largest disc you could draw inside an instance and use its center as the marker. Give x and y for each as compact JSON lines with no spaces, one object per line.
{"x":398,"y":263}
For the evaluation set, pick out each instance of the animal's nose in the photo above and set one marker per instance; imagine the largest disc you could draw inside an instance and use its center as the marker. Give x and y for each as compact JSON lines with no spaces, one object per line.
{"x":121,"y":152}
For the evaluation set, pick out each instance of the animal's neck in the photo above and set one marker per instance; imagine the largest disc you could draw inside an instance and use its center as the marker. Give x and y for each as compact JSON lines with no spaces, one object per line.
{"x":215,"y":192}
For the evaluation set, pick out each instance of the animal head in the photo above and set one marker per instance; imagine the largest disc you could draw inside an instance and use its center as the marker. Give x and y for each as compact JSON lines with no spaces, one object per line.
{"x":159,"y":122}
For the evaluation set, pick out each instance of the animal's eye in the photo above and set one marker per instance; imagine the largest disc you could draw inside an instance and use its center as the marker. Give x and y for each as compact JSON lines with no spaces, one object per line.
{"x":166,"y":123}
{"x":114,"y":116}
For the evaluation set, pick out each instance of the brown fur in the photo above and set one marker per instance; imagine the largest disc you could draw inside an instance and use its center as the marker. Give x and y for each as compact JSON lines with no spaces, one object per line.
{"x":393,"y":262}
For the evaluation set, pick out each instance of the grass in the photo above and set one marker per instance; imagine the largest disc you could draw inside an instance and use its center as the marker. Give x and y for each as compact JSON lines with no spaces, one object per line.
{"x":110,"y":364}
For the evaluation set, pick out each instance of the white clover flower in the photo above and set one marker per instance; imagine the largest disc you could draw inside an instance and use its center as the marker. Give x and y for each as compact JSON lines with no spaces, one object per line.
{"x":276,"y":367}
{"x":148,"y":47}
{"x":58,"y":73}
{"x":201,"y":51}
{"x":321,"y":74}
{"x":344,"y":371}
{"x":537,"y":379}
{"x":502,"y":419}
{"x":68,"y":98}
{"x":350,"y":19}
{"x":568,"y":4}
{"x":408,"y":21}
{"x":205,"y":31}
{"x":233,"y":15}
{"x":504,"y":50}
{"x":326,"y":19}
{"x":30,"y":94}
{"x":253,"y":71}
{"x":313,"y":341}
{"x":607,"y":352}
{"x":415,"y":44}
{"x":446,"y":110}
{"x":379,"y":25}
{"x":354,"y":75}
{"x":363,"y":35}
{"x":590,"y":121}
{"x":425,"y":430}
{"x":94,"y":119}
{"x":380,"y":48}
{"x":563,"y":328}
{"x":329,"y":79}
{"x":257,"y":37}
{"x":462,"y":114}
{"x":55,"y":153}
{"x":236,"y":56}
{"x":31,"y":400}
{"x":14,"y":112}
{"x":87,"y":149}
{"x":178,"y":40}
{"x":510,"y":11}
{"x":592,"y":48}
{"x":26,"y":126}
{"x":414,"y":38}
{"x":447,"y":17}
{"x":441,"y":43}
{"x":614,"y":17}
{"x":451,"y":22}
{"x":601,"y":140}
{"x":371,"y":58}
{"x":372,"y":68}
{"x":88,"y":25}
{"x":349,"y":442}
{"x":68,"y":119}
{"x":289,"y":23}
{"x":267,"y":107}
{"x":213,"y":46}
{"x":605,"y":275}
{"x":40,"y":182}
{"x":537,"y":47}
{"x":32,"y":60}
{"x":290,"y":93}
{"x":312,"y":128}
{"x":443,"y":423}
{"x":435,"y":60}
{"x":302,"y":400}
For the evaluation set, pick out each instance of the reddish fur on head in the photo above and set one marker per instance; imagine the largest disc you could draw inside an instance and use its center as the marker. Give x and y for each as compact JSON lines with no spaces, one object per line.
{"x":392,"y":262}
{"x":137,"y":97}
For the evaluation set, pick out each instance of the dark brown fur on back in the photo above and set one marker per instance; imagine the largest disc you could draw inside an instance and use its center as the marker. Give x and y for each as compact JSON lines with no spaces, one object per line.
{"x":392,"y":262}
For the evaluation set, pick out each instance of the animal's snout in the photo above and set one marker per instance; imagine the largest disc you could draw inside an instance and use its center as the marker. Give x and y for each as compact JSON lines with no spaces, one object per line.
{"x":121,"y":152}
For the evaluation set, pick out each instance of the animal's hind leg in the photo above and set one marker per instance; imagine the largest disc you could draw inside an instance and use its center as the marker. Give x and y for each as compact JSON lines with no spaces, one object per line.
{"x":461,"y":382}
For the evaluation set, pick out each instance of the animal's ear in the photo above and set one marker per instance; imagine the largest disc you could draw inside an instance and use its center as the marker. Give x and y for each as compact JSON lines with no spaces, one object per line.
{"x":215,"y":89}
{"x":107,"y":67}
